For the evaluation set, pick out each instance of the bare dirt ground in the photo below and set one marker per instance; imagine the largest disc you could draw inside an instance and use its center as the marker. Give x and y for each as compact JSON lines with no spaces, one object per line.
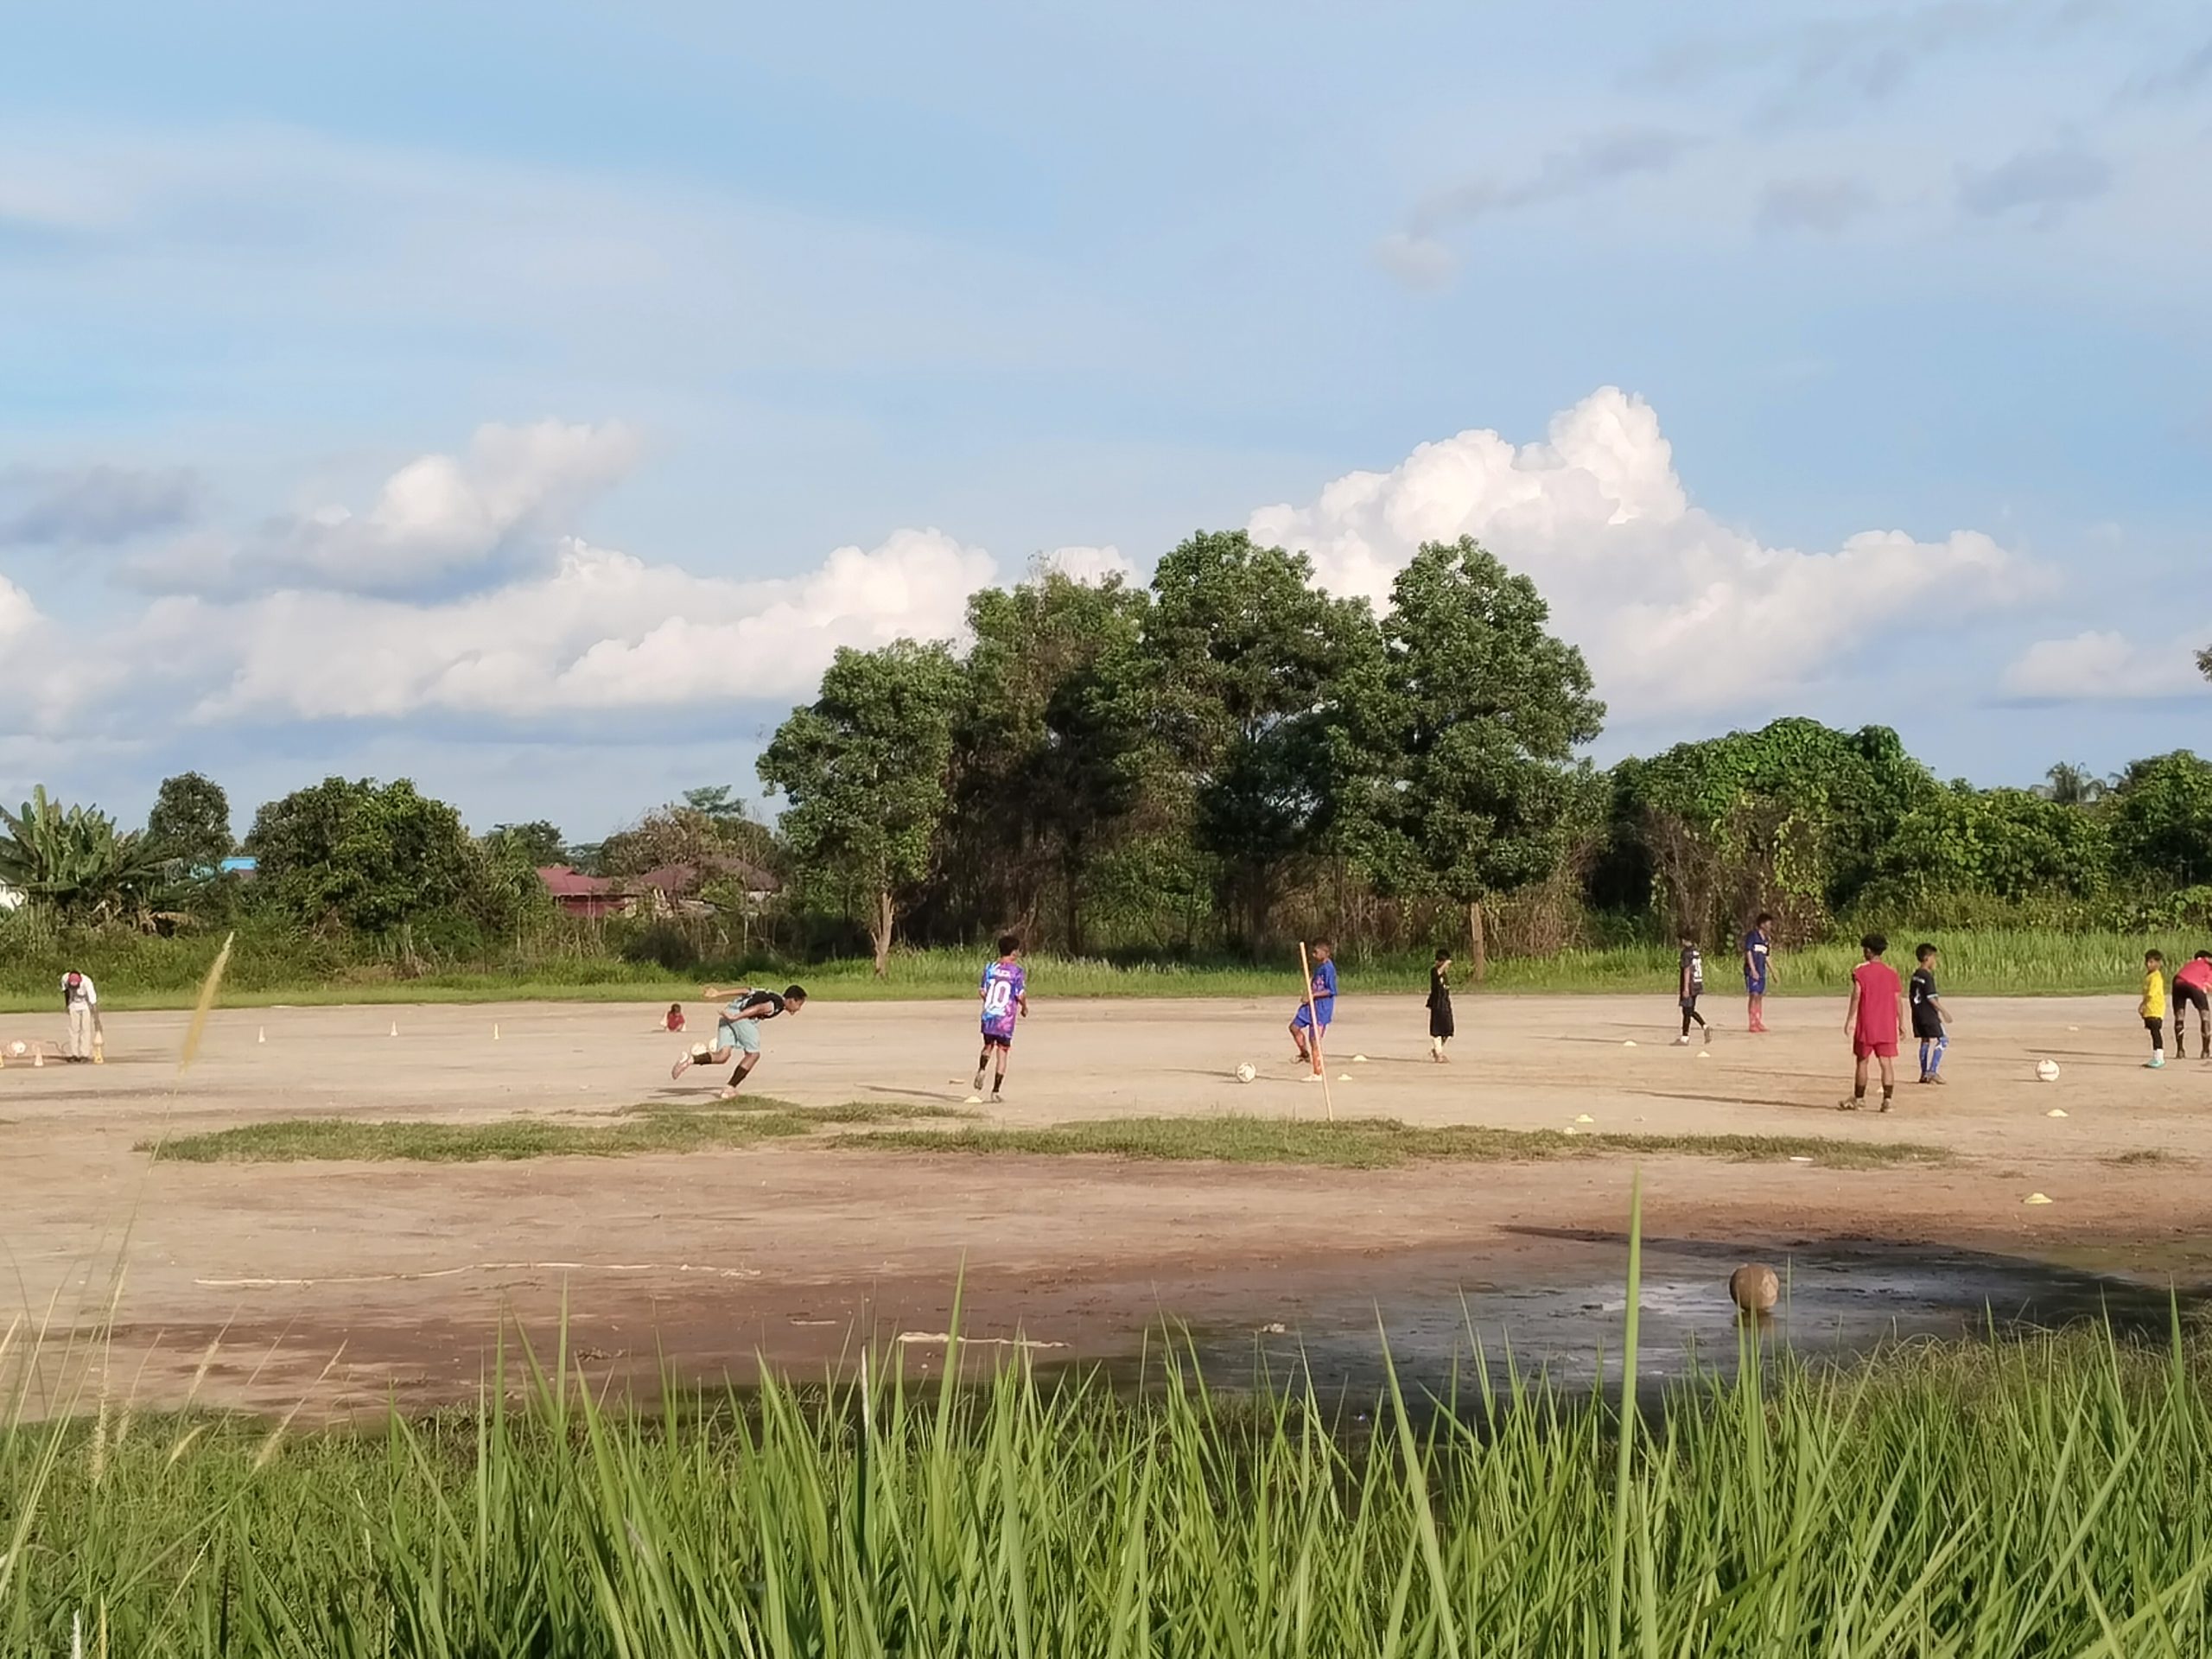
{"x":344,"y":1285}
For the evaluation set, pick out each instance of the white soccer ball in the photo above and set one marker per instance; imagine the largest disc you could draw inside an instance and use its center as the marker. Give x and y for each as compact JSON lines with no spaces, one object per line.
{"x":1247,"y":1071}
{"x":2047,"y":1069}
{"x":19,"y":1048}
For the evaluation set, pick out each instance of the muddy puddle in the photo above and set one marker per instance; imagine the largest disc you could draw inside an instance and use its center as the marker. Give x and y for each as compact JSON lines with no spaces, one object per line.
{"x":1838,"y":1301}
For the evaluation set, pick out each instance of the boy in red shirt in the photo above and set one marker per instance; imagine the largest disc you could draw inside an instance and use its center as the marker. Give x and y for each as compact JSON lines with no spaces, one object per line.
{"x":1873,"y":1021}
{"x":2193,"y":989}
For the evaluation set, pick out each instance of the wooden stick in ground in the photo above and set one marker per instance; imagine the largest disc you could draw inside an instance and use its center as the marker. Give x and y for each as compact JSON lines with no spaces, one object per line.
{"x":1314,"y":1032}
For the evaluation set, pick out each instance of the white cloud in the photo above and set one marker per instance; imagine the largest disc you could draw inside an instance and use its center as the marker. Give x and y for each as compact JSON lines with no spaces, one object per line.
{"x":17,"y":613}
{"x":1675,"y":610}
{"x":603,"y":630}
{"x":438,"y":518}
{"x":2103,"y":666}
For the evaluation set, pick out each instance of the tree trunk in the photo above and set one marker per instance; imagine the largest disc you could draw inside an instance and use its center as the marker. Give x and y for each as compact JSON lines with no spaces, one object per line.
{"x":887,"y":916}
{"x":1478,"y":957}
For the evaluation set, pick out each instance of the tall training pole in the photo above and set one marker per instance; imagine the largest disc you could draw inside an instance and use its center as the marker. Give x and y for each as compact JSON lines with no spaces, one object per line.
{"x":1314,"y":1032}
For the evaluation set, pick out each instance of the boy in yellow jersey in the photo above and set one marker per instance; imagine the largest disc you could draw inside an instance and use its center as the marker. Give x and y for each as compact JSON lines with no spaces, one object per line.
{"x":2152,"y":1007}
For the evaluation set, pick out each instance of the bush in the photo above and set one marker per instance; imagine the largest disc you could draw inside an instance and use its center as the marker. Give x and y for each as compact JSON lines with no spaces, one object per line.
{"x":665,"y":945}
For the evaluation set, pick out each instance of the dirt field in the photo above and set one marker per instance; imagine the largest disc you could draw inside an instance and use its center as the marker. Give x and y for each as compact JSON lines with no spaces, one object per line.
{"x":341,"y":1284}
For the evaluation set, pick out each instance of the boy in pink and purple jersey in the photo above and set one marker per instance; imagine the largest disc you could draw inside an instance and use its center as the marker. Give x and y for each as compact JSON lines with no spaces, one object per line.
{"x":1005,"y":991}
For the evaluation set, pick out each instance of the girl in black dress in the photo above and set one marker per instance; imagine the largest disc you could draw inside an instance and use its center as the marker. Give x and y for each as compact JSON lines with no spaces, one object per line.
{"x":1439,"y":1006}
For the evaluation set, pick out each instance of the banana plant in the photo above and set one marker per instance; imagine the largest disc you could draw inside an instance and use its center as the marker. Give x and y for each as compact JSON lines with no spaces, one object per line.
{"x":73,"y":861}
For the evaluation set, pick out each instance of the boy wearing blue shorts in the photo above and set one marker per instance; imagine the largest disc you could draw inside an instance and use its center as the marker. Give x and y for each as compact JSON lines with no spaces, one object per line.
{"x":737,"y":1031}
{"x":1310,"y":1023}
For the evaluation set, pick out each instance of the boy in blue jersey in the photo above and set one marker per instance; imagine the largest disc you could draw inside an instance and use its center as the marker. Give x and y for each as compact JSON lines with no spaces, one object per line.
{"x":1005,"y":991}
{"x":1310,"y":1023}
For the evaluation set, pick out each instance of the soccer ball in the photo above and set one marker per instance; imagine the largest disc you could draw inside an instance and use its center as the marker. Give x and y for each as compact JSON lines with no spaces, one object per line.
{"x":19,"y":1048}
{"x":1247,"y":1071}
{"x":2047,"y":1069}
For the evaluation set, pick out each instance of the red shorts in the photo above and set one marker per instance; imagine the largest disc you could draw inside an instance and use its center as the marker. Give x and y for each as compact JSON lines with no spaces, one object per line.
{"x":1864,"y":1047}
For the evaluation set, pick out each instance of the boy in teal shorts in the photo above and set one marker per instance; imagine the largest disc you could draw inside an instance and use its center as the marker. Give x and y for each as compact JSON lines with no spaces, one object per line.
{"x":737,"y":1031}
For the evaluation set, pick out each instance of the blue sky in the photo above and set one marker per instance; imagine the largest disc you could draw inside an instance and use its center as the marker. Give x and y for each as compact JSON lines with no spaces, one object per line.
{"x":485,"y":394}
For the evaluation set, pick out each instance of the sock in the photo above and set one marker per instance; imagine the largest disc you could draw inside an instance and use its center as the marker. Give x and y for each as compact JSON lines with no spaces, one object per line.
{"x":1888,"y":1090}
{"x":1924,"y":1067}
{"x":1858,"y":1091}
{"x":998,"y":1083}
{"x":1935,"y":1055}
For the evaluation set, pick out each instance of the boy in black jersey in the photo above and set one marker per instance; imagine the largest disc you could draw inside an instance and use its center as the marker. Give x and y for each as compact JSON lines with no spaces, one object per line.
{"x":1928,"y":1014}
{"x":737,"y":1031}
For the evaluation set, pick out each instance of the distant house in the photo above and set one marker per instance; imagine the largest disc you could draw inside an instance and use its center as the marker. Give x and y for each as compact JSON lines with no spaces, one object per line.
{"x":239,"y":866}
{"x":670,"y":890}
{"x":588,"y":896}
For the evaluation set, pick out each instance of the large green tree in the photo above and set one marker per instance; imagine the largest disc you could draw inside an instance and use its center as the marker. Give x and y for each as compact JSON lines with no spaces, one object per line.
{"x":1456,"y":770}
{"x":1048,"y":762}
{"x":363,"y":855}
{"x":191,"y":823}
{"x":2019,"y":845}
{"x":1246,"y":662}
{"x":2162,"y":819}
{"x":1791,"y":818}
{"x":864,"y":767}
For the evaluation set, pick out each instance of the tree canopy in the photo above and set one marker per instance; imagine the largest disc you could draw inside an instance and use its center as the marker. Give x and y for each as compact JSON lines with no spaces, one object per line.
{"x":864,"y":767}
{"x":191,"y":823}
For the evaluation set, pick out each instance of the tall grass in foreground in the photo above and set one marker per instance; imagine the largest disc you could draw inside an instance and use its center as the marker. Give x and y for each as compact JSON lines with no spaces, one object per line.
{"x":2039,"y":1498}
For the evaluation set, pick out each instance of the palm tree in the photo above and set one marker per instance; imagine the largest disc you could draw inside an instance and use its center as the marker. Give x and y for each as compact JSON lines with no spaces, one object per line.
{"x":2072,"y":786}
{"x":71,"y":861}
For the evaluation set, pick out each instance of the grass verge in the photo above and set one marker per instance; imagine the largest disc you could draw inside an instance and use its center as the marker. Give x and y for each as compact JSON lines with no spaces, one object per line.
{"x":1374,"y":1143}
{"x":1989,"y":961}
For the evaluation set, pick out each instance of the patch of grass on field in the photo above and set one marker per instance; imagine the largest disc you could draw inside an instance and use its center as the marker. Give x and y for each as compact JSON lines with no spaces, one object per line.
{"x":654,"y":1126}
{"x":339,"y":1139}
{"x":1372,"y":1143}
{"x":2149,"y":1155}
{"x":852,"y":1111}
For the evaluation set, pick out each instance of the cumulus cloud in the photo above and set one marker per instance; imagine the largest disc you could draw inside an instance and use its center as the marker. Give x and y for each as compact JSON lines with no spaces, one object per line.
{"x":92,"y":506}
{"x":603,"y":630}
{"x":2041,"y":183}
{"x":439,"y":520}
{"x":2102,"y":666}
{"x":1676,"y":611}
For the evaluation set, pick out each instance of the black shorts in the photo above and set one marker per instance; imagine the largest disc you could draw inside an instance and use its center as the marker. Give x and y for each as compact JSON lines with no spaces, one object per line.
{"x":995,"y":1039}
{"x":2192,"y":997}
